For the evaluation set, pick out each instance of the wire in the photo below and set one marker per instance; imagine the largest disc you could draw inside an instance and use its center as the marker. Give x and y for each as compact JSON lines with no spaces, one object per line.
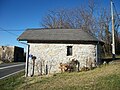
{"x":14,"y":30}
{"x":2,"y":29}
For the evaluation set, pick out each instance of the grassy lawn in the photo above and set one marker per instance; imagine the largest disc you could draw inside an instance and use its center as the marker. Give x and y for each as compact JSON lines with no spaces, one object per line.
{"x":12,"y":82}
{"x":102,"y":78}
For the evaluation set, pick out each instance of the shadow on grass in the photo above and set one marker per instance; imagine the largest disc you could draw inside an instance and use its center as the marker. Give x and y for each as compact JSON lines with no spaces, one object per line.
{"x":107,"y":60}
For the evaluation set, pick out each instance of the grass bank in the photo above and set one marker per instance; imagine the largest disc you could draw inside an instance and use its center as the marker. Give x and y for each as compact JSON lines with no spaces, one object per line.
{"x":12,"y":82}
{"x":103,"y":78}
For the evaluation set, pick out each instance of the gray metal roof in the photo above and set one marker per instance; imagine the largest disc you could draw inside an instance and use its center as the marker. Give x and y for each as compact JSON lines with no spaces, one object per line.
{"x":56,"y":34}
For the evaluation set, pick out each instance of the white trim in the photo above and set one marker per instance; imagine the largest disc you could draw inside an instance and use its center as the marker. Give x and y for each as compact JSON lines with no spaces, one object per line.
{"x":11,"y":66}
{"x":11,"y":74}
{"x":27,"y":60}
{"x":96,"y":53}
{"x":27,"y":57}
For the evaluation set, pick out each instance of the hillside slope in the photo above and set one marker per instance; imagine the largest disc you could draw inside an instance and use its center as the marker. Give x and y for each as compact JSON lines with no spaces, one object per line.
{"x":107,"y":77}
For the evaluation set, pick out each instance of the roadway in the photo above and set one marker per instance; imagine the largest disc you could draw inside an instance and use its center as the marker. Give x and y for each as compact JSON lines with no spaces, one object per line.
{"x":8,"y":69}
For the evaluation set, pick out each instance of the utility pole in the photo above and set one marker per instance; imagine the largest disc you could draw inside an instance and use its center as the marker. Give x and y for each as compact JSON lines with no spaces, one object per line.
{"x":113,"y":32}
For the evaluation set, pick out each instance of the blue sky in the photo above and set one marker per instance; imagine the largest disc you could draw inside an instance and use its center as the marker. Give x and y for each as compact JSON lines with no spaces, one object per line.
{"x":23,"y":14}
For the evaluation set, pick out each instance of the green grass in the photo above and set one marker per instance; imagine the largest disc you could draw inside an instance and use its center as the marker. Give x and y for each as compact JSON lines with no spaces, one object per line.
{"x":103,"y":78}
{"x":106,"y":77}
{"x":12,"y":82}
{"x":110,"y":56}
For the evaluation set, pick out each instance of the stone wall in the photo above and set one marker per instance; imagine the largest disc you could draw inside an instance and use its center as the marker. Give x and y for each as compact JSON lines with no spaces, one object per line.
{"x":51,"y":55}
{"x":7,"y":53}
{"x":11,"y":54}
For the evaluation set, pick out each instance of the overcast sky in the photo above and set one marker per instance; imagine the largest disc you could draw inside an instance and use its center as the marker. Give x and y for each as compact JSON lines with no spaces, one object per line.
{"x":22,"y":14}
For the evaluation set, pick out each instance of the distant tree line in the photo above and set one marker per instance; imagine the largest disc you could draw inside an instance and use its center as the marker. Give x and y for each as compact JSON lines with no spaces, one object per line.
{"x":86,"y":18}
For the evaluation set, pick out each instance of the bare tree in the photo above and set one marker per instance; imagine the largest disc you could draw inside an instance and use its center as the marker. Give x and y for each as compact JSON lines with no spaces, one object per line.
{"x":103,"y":26}
{"x":72,"y":18}
{"x":86,"y":19}
{"x":56,"y":19}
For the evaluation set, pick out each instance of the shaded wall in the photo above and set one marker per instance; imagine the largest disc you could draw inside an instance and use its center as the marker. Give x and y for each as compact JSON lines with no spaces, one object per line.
{"x":19,"y":54}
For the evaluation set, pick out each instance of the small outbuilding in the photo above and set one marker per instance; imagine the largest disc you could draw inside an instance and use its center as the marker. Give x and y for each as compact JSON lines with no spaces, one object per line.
{"x":54,"y":46}
{"x":11,"y":54}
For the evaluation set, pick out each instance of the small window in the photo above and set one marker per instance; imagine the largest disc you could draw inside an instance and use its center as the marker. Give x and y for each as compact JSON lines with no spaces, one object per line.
{"x":69,"y":50}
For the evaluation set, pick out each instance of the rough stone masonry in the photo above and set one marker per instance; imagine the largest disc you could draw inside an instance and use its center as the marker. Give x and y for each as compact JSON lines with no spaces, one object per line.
{"x":49,"y":56}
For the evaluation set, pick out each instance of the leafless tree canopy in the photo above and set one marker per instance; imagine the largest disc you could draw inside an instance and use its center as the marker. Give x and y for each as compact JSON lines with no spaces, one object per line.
{"x":85,"y":18}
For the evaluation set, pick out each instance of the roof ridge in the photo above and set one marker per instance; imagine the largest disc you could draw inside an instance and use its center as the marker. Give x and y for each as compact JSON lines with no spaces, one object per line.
{"x":52,"y":29}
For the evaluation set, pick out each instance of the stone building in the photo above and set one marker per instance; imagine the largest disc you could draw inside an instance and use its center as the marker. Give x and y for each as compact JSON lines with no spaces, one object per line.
{"x":54,"y":46}
{"x":11,"y":54}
